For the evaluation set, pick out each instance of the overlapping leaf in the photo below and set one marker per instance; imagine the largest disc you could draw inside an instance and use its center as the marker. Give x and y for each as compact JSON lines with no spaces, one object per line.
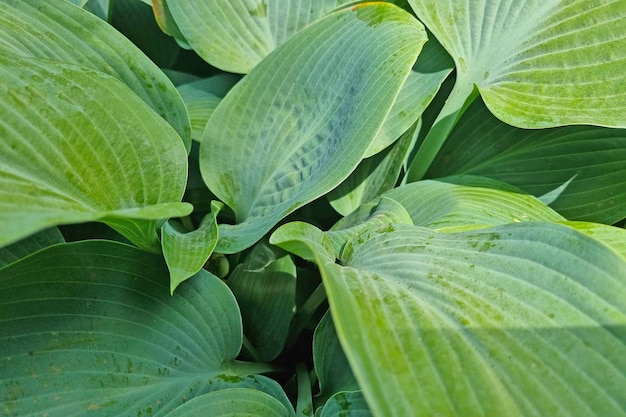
{"x":265,"y":287}
{"x":519,"y":320}
{"x":60,"y":31}
{"x":346,"y":404}
{"x":298,"y":124}
{"x":537,"y":161}
{"x":235,"y":35}
{"x":233,"y":402}
{"x":31,"y":244}
{"x":535,"y":63}
{"x":76,"y":146}
{"x":187,"y":252}
{"x":468,"y":201}
{"x":91,"y":327}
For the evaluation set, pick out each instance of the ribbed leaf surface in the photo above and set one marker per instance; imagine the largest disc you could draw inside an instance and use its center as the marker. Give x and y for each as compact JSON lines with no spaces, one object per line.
{"x":297,"y":125}
{"x":519,"y":320}
{"x":90,"y":327}
{"x":77,"y":146}
{"x":537,"y":63}
{"x":60,"y":31}
{"x":538,"y":161}
{"x":235,"y":35}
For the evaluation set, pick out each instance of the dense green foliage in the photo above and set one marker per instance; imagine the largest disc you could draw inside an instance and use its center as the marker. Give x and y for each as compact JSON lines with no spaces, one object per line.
{"x":312,"y":208}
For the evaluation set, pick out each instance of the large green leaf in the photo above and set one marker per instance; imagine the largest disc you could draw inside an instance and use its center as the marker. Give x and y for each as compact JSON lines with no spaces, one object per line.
{"x":31,"y":244}
{"x":331,"y":365}
{"x":235,"y":35}
{"x":430,"y":70}
{"x":536,"y":63}
{"x":202,"y":97}
{"x":265,"y":287}
{"x":346,"y":404}
{"x":76,"y":146}
{"x":463,"y":201}
{"x":524,"y":319}
{"x":373,"y":176}
{"x":537,"y":161}
{"x":60,"y":31}
{"x":90,"y":327}
{"x":233,"y":402}
{"x":300,"y":122}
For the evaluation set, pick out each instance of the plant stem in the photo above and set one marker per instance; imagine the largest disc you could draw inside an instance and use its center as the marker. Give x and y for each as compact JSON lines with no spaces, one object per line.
{"x":305,"y":313}
{"x":462,"y":95}
{"x":304,"y":406}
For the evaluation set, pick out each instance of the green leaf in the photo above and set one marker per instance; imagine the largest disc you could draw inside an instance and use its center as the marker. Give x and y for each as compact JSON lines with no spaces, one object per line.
{"x":524,"y":319}
{"x":100,"y":8}
{"x":331,"y":365}
{"x":90,"y":327}
{"x":304,"y":240}
{"x":202,"y":97}
{"x":346,"y":404}
{"x":300,"y":122}
{"x":60,"y":31}
{"x":233,"y":402}
{"x":372,"y":218}
{"x":235,"y":35}
{"x":538,"y":161}
{"x":613,"y":237}
{"x":373,"y":176}
{"x":31,"y":244}
{"x":430,"y":70}
{"x":186,"y":253}
{"x":107,"y":157}
{"x":448,"y":203}
{"x":265,"y":287}
{"x":535,"y":63}
{"x":135,"y":20}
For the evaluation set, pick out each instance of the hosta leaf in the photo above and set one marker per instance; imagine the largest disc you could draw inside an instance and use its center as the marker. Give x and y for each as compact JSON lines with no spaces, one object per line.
{"x":186,"y":253}
{"x":300,"y":122}
{"x":468,"y":201}
{"x":31,"y":244}
{"x":90,"y":327}
{"x":202,"y":97}
{"x":135,"y":20}
{"x":538,"y":161}
{"x":265,"y":287}
{"x":430,"y":70}
{"x":304,"y":240}
{"x":78,"y":146}
{"x":346,"y":404}
{"x":235,"y":35}
{"x":372,"y":177}
{"x":378,"y":217}
{"x":535,"y":63}
{"x":331,"y":366}
{"x":614,"y":237}
{"x":60,"y":31}
{"x":233,"y":402}
{"x":524,"y":319}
